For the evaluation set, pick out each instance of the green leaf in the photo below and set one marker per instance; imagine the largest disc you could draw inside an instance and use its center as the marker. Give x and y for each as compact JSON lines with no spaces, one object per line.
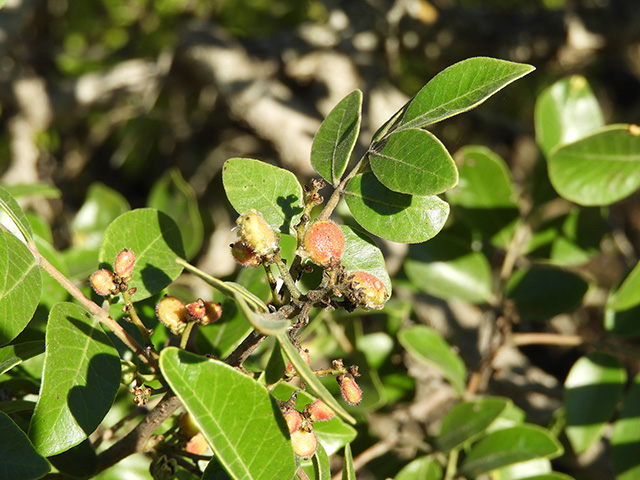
{"x":172,"y":195}
{"x":321,"y":467}
{"x":266,"y":323}
{"x":77,"y":462}
{"x":13,"y":218}
{"x":20,"y":286}
{"x":523,"y":470}
{"x":333,"y":143}
{"x":272,"y":191}
{"x":348,"y":471}
{"x":414,"y":162}
{"x":626,"y":295}
{"x":155,"y":239}
{"x":458,"y":88}
{"x":485,"y":197}
{"x":18,"y":458}
{"x":237,"y":416}
{"x":626,"y":436}
{"x":566,"y":111}
{"x":101,"y":206}
{"x":599,"y":169}
{"x":79,"y":382}
{"x":428,"y":346}
{"x":592,"y":391}
{"x":468,"y":420}
{"x":509,"y":446}
{"x":550,"y":476}
{"x":361,"y":253}
{"x":13,"y":355}
{"x":310,"y":378}
{"x":394,"y":216}
{"x":446,"y":267}
{"x":542,"y":292}
{"x":422,"y":468}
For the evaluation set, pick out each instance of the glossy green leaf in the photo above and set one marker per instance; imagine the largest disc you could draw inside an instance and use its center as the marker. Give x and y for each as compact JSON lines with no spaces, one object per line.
{"x":266,"y":323}
{"x":361,"y":253}
{"x":591,"y":392}
{"x":422,"y":468}
{"x":274,"y":192}
{"x":509,"y":446}
{"x":333,"y":143}
{"x":485,"y":197}
{"x":428,"y":346}
{"x":101,"y":206}
{"x":13,"y":355}
{"x":237,"y":416}
{"x":623,"y":323}
{"x":625,"y":440}
{"x":310,"y":378}
{"x":446,"y":267}
{"x":79,"y":382}
{"x":20,"y":286}
{"x":458,"y":88}
{"x":599,"y":169}
{"x":523,"y":470}
{"x":172,"y":195}
{"x":627,"y":295}
{"x":321,"y":467}
{"x":566,"y":111}
{"x":12,"y":216}
{"x":542,"y":292}
{"x":414,"y":162}
{"x":18,"y":458}
{"x":348,"y":471}
{"x":155,"y":239}
{"x":394,"y":216}
{"x":468,"y":420}
{"x":40,"y":189}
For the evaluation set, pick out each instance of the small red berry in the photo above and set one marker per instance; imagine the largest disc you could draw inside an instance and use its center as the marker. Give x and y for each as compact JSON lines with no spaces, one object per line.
{"x":304,"y":443}
{"x":172,"y":312}
{"x":256,"y":234}
{"x":245,"y":255}
{"x":366,"y":290}
{"x":294,"y":420}
{"x":124,"y":262}
{"x":212,"y":313}
{"x":351,"y":392}
{"x":197,"y":445}
{"x":196,"y":309}
{"x":103,"y":283}
{"x":323,"y":242}
{"x":318,"y":411}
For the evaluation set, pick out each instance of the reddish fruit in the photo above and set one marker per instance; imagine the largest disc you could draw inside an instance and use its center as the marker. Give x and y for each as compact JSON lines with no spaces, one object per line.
{"x":103,"y":283}
{"x":366,"y":290}
{"x":290,"y":371}
{"x":351,"y":392}
{"x":212,"y":312}
{"x":124,"y":262}
{"x":256,"y":234}
{"x":294,"y":420}
{"x":196,"y":309}
{"x":322,"y":242}
{"x":304,"y":443}
{"x":173,"y":314}
{"x":319,"y":411}
{"x":245,"y":255}
{"x":197,"y":445}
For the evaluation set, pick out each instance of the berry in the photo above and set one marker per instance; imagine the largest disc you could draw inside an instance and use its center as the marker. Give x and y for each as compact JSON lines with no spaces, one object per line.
{"x":304,"y":443}
{"x":173,"y":314}
{"x":294,"y":420}
{"x":318,"y":411}
{"x":187,"y":425}
{"x":366,"y":290}
{"x":212,"y":312}
{"x":197,"y":445}
{"x":322,"y":242}
{"x":124,"y":262}
{"x":245,"y":255}
{"x":256,"y":234}
{"x":351,"y":392}
{"x":103,"y":283}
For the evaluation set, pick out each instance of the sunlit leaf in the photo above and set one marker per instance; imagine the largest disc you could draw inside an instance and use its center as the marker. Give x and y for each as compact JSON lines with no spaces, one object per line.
{"x":361,"y":253}
{"x":626,"y":436}
{"x":12,"y":216}
{"x":348,"y":471}
{"x":13,"y":355}
{"x":422,"y":468}
{"x":627,"y":295}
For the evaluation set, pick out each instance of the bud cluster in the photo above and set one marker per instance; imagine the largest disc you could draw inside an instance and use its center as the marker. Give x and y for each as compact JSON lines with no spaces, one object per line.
{"x":303,"y":438}
{"x":105,"y":282}
{"x":256,"y":240}
{"x":175,"y":315}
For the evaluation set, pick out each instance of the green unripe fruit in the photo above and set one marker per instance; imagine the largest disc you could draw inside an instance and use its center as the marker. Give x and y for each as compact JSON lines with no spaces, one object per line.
{"x":322,"y":243}
{"x":366,"y":290}
{"x":256,"y":234}
{"x":172,"y":312}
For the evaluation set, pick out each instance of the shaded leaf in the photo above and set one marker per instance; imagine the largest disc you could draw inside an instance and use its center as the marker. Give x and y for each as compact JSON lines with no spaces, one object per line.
{"x":321,"y":467}
{"x":599,"y":169}
{"x":394,"y":216}
{"x":18,"y":458}
{"x":79,"y":382}
{"x":13,"y":355}
{"x":333,"y":143}
{"x":566,"y":111}
{"x":361,"y":253}
{"x":348,"y":471}
{"x":627,"y":295}
{"x":77,"y":462}
{"x":625,"y":440}
{"x":428,"y":346}
{"x":155,"y":239}
{"x":213,"y":393}
{"x":20,"y":286}
{"x":414,"y":162}
{"x":272,"y":191}
{"x":40,"y":189}
{"x":422,"y":468}
{"x":592,"y":391}
{"x":266,"y":323}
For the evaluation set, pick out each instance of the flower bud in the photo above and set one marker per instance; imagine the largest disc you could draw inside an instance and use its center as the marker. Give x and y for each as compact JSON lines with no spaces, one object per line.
{"x":323,"y":242}
{"x":103,"y":283}
{"x":366,"y":290}
{"x":318,"y":411}
{"x":196,"y":309}
{"x":173,"y":314}
{"x":245,"y":255}
{"x":212,"y":313}
{"x":256,"y":234}
{"x":290,"y":370}
{"x":350,"y":390}
{"x":197,"y":444}
{"x":304,"y":443}
{"x":294,"y":420}
{"x":124,"y":262}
